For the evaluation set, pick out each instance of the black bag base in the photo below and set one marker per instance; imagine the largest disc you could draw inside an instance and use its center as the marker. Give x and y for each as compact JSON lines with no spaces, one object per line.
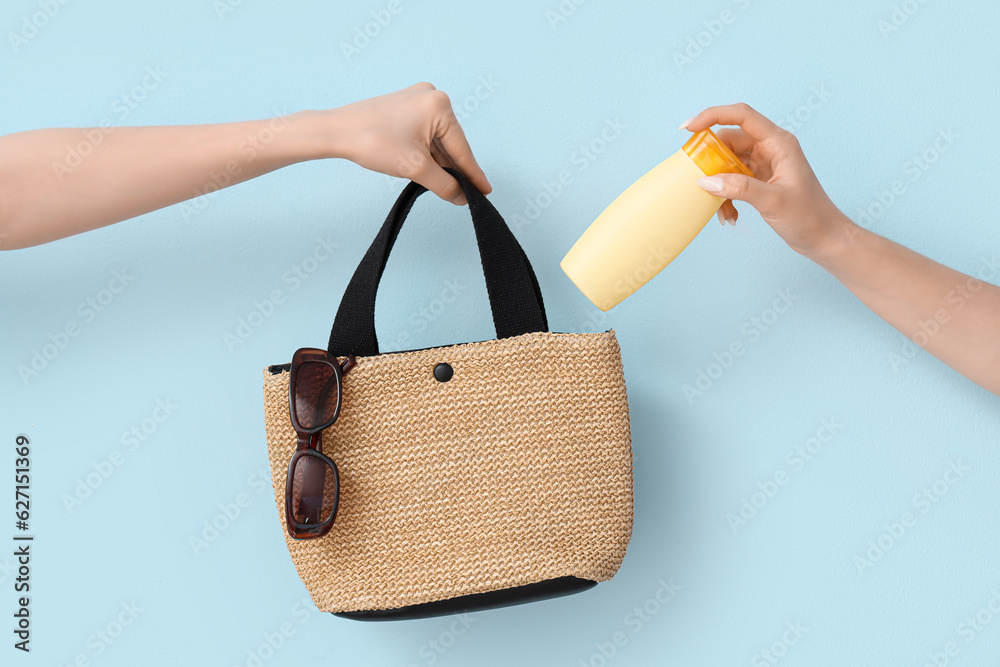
{"x":508,"y":597}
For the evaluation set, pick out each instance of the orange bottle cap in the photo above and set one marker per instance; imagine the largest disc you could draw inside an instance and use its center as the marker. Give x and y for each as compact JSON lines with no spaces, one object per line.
{"x":712,"y":155}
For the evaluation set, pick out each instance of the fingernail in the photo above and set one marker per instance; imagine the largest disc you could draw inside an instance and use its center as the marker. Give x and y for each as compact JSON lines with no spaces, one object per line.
{"x":711,"y":184}
{"x":460,"y":200}
{"x":686,"y":123}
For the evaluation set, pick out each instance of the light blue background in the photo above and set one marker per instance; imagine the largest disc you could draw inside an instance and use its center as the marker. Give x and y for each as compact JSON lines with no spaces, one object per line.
{"x":555,"y":87}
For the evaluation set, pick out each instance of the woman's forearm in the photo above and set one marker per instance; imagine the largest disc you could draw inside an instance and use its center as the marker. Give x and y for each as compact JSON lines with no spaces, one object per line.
{"x":59,"y":182}
{"x":55,"y":183}
{"x":953,"y":316}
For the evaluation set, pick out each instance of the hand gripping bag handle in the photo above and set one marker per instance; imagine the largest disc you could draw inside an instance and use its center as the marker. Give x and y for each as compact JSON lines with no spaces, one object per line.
{"x":515,"y":298}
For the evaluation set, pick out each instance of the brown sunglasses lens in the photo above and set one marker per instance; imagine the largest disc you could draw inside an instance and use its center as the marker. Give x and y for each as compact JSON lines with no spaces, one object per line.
{"x":314,"y":491}
{"x":317,"y":392}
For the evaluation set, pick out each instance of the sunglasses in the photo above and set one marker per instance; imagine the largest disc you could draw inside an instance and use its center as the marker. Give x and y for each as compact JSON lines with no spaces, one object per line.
{"x":315,"y":394}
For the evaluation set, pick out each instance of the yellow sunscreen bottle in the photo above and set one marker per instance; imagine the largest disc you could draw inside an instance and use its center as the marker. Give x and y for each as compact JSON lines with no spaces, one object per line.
{"x":650,"y":223}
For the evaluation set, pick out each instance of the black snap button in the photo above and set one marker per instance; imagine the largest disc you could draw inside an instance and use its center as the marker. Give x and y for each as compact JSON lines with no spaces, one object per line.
{"x":443,"y":372}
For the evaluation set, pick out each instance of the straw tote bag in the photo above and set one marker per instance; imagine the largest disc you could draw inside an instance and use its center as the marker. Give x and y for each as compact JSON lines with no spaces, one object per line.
{"x":472,"y":476}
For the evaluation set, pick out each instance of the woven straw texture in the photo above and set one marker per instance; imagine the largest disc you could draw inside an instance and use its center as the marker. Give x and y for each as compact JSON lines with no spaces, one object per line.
{"x":517,"y":470}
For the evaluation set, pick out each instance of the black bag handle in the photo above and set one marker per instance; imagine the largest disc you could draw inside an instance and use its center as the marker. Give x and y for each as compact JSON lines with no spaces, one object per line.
{"x":515,"y":298}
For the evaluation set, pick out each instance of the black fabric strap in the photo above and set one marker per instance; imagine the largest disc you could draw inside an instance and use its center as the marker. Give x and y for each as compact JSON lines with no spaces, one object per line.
{"x":515,"y":298}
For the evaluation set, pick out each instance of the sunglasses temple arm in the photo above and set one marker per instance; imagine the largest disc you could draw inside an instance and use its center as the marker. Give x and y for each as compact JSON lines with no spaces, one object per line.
{"x":348,"y":364}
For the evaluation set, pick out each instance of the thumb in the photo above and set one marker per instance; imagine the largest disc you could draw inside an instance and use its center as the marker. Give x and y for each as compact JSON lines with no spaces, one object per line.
{"x":737,"y":186}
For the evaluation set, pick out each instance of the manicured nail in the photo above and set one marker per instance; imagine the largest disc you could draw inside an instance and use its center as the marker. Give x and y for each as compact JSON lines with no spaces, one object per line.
{"x":711,"y":184}
{"x":686,"y":123}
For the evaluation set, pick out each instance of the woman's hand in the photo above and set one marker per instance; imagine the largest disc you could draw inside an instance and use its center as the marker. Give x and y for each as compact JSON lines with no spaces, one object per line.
{"x":785,"y":191}
{"x":412,"y":133}
{"x":953,"y":316}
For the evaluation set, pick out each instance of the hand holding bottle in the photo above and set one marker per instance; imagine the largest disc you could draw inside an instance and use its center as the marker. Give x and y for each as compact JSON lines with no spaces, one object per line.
{"x":954,"y":316}
{"x":785,"y":191}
